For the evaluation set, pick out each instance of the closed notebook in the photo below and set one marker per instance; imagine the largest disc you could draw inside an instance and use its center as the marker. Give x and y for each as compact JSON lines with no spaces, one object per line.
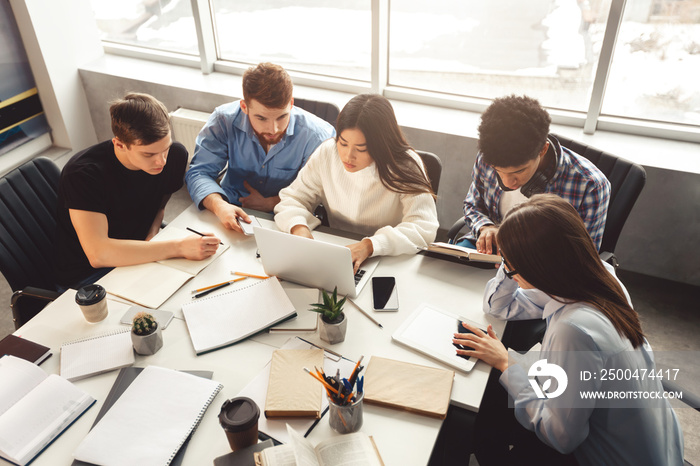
{"x":292,"y":392}
{"x":150,"y":421}
{"x":25,"y":349}
{"x":223,"y":319}
{"x":410,"y":387}
{"x":95,"y":355}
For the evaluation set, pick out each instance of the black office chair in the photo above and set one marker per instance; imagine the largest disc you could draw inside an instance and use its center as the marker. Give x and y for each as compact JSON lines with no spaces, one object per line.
{"x":324,"y":110}
{"x":626,"y":182}
{"x":433,"y":168}
{"x":28,"y":197}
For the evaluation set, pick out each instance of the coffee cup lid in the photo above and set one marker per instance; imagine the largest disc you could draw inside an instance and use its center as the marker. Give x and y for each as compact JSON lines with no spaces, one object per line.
{"x":238,"y":414}
{"x":90,"y":294}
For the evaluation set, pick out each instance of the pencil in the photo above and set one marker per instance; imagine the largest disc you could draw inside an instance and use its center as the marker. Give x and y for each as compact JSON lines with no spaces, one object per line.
{"x":199,"y":290}
{"x":243,"y":274}
{"x":200,"y":234}
{"x":365,"y":313}
{"x":325,"y":384}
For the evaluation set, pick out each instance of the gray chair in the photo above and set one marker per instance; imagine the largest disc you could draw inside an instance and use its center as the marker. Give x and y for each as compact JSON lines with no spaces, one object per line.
{"x":626,"y":182}
{"x":324,"y":110}
{"x":28,"y":196}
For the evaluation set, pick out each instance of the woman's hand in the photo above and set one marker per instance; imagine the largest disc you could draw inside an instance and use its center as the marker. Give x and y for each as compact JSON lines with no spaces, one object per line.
{"x":487,"y":346}
{"x":197,"y":248}
{"x":360,"y":251}
{"x":301,"y":230}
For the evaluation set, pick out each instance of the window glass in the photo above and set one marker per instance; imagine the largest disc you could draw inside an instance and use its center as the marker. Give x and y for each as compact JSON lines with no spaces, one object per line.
{"x":654,"y":74}
{"x":159,"y":24}
{"x":315,"y":36}
{"x":547,"y":49}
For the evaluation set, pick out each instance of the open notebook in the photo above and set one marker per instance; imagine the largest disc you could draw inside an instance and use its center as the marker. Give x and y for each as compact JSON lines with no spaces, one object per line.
{"x":151,"y":284}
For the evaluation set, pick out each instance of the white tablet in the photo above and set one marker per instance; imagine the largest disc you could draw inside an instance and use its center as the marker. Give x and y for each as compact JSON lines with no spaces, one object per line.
{"x":430,"y":330}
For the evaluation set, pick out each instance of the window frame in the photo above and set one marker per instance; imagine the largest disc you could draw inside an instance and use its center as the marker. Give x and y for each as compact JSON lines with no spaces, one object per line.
{"x":590,"y":121}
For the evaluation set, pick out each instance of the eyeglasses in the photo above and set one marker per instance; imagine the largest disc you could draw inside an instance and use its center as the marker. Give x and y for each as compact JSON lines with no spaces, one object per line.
{"x":505,"y":269}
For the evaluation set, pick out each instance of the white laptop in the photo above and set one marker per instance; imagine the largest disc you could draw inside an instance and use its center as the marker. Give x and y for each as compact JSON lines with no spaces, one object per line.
{"x":311,"y":262}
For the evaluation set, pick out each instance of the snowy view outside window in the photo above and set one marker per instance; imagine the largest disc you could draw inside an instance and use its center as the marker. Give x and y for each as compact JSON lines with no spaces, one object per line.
{"x":481,"y":48}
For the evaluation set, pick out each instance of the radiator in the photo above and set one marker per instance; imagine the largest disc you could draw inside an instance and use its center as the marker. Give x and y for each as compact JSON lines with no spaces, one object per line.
{"x":186,"y":126}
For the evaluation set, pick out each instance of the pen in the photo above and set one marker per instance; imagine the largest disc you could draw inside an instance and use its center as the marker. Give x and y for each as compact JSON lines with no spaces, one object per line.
{"x":200,"y":234}
{"x":218,"y":287}
{"x":243,"y":274}
{"x":365,"y":313}
{"x":199,"y":290}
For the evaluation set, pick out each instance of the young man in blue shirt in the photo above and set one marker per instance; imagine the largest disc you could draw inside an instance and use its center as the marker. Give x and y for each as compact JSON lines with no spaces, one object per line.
{"x":518,"y":158}
{"x":261,"y":141}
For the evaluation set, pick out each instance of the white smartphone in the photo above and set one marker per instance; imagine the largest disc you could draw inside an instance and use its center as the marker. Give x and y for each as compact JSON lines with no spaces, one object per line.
{"x":248,"y":227}
{"x":385,"y":294}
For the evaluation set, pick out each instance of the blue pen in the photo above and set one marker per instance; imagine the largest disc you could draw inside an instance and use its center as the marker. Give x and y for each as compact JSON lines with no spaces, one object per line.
{"x":360,"y":384}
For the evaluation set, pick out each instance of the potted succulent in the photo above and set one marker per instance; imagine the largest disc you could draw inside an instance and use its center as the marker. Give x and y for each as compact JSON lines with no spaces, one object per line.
{"x":146,"y":335}
{"x":333,"y":322}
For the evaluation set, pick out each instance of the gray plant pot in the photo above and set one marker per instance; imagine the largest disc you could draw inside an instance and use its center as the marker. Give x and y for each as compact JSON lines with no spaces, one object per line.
{"x":332,"y":333}
{"x":147,"y":344}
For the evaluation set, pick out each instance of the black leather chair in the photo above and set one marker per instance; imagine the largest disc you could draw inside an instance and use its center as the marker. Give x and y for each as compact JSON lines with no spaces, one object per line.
{"x":324,"y":110}
{"x":626,"y":182}
{"x":28,"y":197}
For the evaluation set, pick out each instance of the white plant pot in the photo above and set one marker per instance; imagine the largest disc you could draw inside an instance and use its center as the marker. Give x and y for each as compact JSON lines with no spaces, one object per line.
{"x":147,"y":344}
{"x":332,"y":333}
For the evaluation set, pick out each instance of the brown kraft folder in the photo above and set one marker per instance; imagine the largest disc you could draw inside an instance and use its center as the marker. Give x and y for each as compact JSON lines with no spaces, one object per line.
{"x":291,"y":391}
{"x":410,"y":387}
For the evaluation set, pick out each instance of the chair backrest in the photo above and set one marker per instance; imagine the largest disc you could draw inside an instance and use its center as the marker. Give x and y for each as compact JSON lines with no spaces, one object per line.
{"x":433,"y":168}
{"x":324,"y":110}
{"x":28,"y":196}
{"x":626,"y":182}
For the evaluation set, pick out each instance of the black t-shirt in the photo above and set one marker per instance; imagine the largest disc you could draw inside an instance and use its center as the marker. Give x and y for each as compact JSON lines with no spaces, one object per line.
{"x":94,"y":180}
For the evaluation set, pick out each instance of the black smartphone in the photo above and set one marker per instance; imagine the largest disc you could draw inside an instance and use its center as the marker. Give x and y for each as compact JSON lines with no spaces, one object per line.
{"x":385,"y":294}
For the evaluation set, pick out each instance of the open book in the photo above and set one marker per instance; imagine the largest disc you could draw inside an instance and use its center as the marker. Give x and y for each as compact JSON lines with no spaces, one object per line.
{"x":151,"y":284}
{"x":357,"y":448}
{"x":463,"y":253}
{"x":35,"y":408}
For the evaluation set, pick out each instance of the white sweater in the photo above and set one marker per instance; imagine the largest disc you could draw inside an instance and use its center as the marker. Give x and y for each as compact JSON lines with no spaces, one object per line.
{"x":358,"y":202}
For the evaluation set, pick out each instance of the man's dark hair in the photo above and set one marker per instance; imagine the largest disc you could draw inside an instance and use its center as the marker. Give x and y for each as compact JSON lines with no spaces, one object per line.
{"x":139,"y":119}
{"x":269,"y":84}
{"x":513,"y":131}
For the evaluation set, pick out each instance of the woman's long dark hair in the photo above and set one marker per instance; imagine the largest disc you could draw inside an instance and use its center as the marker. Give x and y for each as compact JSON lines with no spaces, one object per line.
{"x":546,"y":242}
{"x":374,"y":116}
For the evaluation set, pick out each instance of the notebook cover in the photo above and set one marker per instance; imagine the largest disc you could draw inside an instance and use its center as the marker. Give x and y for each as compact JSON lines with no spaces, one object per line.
{"x":291,"y":391}
{"x":25,"y":349}
{"x":410,"y":387}
{"x":124,"y":378}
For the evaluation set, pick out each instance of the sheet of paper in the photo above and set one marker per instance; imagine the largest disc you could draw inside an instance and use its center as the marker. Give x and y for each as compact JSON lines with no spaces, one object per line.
{"x":149,"y":285}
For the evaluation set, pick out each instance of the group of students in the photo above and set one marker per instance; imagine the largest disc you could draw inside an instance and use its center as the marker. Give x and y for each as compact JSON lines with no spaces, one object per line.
{"x":539,"y":205}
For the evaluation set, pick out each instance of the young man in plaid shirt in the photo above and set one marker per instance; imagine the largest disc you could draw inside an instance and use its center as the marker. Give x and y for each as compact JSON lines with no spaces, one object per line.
{"x":518,"y":158}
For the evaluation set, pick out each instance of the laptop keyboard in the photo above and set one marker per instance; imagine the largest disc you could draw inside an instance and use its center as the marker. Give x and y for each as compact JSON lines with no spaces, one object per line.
{"x":358,"y":276}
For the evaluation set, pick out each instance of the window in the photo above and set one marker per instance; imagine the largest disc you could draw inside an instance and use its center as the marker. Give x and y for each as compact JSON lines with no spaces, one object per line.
{"x":487,"y":49}
{"x":654,"y":68}
{"x":157,"y":24}
{"x":313,"y":36}
{"x":557,"y":51}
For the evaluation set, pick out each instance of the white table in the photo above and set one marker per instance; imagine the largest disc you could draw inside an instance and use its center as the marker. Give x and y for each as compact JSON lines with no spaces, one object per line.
{"x":401,"y":437}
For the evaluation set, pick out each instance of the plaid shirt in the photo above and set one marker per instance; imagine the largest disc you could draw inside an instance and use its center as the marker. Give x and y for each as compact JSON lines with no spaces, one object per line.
{"x":576,"y":180}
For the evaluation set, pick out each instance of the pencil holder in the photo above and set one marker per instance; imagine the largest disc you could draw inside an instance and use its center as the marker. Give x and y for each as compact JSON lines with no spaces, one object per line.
{"x":346,"y":419}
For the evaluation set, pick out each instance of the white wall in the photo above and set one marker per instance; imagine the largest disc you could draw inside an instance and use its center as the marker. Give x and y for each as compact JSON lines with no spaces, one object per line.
{"x":59,"y":36}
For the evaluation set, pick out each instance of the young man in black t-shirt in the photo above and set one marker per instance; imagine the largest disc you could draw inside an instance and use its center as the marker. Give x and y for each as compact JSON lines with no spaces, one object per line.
{"x":112,"y":196}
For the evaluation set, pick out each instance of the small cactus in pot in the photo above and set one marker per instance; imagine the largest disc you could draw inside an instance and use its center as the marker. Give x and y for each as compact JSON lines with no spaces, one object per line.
{"x":333,"y":323}
{"x":146,"y":335}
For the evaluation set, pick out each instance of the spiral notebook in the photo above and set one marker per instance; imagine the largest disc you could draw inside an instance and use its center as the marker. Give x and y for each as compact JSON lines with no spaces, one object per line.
{"x":150,"y":421}
{"x":227,"y":318}
{"x":97,"y":354}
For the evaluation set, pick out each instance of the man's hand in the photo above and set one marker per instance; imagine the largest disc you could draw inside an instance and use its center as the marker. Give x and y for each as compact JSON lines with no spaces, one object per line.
{"x":487,"y":346}
{"x":227,"y":213}
{"x":487,"y":240}
{"x":256,"y":201}
{"x":360,"y":251}
{"x":195,"y":247}
{"x":301,"y":230}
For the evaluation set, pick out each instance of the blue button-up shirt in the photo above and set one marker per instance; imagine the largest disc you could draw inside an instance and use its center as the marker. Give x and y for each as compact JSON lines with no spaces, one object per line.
{"x":228,"y":141}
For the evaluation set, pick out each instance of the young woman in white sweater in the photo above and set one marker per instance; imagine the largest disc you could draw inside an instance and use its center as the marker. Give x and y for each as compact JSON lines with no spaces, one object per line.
{"x":369,"y":180}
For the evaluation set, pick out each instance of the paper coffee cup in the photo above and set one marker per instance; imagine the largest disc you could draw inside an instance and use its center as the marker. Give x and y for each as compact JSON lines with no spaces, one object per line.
{"x":239,"y":418}
{"x":92,"y":300}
